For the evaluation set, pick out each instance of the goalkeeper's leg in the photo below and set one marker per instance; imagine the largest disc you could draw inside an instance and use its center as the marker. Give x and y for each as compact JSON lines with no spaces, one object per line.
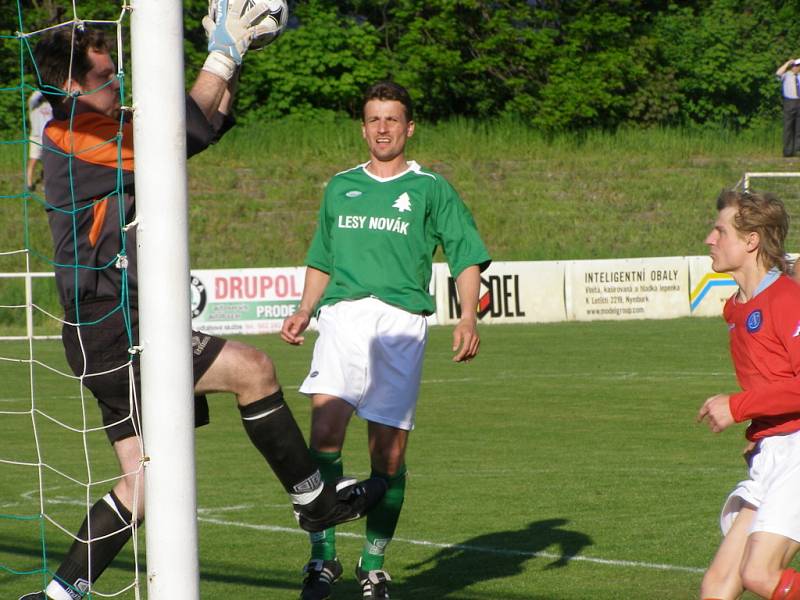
{"x":107,"y":528}
{"x":268,"y":421}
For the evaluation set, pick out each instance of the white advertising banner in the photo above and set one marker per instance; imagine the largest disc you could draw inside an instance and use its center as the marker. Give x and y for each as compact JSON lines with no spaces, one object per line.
{"x":710,"y":290}
{"x":511,"y":292}
{"x":251,"y":301}
{"x":256,"y":301}
{"x":634,"y":288}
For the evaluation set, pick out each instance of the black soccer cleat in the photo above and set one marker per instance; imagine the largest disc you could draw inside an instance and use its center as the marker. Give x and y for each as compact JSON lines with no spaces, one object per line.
{"x":351,"y":500}
{"x":35,"y":596}
{"x":320,"y":575}
{"x":374,"y":584}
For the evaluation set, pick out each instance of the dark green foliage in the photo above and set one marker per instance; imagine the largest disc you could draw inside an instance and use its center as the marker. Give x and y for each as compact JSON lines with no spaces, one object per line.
{"x":721,"y":59}
{"x":321,"y":66}
{"x":557,"y":65}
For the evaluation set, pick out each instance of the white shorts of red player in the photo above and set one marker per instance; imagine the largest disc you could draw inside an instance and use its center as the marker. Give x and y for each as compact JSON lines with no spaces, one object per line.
{"x":773,"y":488}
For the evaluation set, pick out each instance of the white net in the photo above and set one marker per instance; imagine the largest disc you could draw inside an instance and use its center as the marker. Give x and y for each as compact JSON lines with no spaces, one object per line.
{"x":55,"y":458}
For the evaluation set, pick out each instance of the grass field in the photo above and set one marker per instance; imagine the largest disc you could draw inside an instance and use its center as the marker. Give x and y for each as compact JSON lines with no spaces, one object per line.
{"x":563,"y":464}
{"x":630,"y":193}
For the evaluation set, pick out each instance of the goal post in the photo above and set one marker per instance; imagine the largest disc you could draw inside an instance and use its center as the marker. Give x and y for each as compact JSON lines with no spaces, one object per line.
{"x":164,"y":298}
{"x":747,"y":178}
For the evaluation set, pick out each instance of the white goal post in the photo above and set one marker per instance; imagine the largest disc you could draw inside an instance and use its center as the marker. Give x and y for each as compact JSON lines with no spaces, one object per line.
{"x":159,"y":124}
{"x":746,"y":180}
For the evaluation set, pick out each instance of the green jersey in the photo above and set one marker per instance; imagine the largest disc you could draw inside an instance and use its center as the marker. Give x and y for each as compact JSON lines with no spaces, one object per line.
{"x":376,"y":237}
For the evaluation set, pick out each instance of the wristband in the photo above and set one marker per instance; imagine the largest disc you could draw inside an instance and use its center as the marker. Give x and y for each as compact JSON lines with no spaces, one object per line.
{"x":220,"y":65}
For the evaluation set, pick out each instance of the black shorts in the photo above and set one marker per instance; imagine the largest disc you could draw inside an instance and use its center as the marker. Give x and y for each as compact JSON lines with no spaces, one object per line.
{"x":104,"y":341}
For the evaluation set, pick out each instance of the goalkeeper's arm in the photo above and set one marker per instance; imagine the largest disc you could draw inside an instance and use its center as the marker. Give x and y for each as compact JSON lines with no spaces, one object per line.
{"x":212,"y":97}
{"x":229,"y":35}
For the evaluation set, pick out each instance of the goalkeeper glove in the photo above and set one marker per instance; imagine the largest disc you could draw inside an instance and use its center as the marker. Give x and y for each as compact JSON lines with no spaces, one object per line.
{"x":230,"y":30}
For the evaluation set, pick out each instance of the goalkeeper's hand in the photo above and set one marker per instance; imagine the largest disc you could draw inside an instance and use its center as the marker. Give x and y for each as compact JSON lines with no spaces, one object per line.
{"x":229,"y":34}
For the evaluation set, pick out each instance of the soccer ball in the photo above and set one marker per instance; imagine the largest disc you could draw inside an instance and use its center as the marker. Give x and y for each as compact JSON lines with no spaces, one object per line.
{"x":274,"y":14}
{"x":272,"y":23}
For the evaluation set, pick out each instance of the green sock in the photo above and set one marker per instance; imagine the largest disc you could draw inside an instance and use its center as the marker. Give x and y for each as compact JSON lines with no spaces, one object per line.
{"x":382,"y":520}
{"x":323,"y":543}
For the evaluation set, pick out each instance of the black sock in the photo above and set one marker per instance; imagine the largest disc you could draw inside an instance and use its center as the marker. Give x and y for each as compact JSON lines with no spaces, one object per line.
{"x":106,"y":516}
{"x":272,"y":429}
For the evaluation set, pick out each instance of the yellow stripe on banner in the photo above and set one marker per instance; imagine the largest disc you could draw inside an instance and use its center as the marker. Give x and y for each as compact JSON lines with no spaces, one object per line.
{"x":700,"y":288}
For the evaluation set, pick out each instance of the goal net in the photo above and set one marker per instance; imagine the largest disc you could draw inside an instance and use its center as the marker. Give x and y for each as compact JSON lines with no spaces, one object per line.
{"x":55,"y":459}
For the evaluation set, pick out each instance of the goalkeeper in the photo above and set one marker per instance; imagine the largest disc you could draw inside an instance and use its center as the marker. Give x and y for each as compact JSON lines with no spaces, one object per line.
{"x":369,"y":268}
{"x":86,"y":209}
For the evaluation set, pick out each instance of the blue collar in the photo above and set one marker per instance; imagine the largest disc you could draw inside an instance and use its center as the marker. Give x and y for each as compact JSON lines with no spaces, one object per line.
{"x":770,"y":278}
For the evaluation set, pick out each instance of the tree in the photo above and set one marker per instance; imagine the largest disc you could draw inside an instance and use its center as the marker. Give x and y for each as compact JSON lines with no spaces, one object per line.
{"x":321,"y":66}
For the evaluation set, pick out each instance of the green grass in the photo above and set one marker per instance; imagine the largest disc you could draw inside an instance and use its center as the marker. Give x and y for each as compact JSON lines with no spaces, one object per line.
{"x":563,"y":464}
{"x":254,"y":197}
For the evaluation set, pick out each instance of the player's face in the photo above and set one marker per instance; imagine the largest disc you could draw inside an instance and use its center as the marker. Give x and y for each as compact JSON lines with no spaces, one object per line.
{"x":728,"y":248}
{"x":386,"y":129}
{"x":100,"y":88}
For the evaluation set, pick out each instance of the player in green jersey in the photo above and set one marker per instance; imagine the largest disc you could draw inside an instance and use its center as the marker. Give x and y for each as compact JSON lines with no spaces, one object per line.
{"x":367,"y":277}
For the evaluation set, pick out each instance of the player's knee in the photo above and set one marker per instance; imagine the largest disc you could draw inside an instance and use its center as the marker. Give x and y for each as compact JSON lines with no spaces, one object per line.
{"x":258,"y":373}
{"x":758,"y":580}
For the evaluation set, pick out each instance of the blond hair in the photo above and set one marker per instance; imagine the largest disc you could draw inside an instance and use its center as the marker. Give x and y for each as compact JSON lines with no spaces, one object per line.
{"x":765,"y":215}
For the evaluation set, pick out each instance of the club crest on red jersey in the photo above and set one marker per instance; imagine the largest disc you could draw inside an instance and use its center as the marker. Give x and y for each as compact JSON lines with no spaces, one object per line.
{"x":754,"y":320}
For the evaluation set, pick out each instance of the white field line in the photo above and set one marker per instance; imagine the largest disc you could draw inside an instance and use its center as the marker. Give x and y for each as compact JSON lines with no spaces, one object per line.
{"x":203,"y":518}
{"x":608,"y":376}
{"x":28,"y":399}
{"x":462,"y":547}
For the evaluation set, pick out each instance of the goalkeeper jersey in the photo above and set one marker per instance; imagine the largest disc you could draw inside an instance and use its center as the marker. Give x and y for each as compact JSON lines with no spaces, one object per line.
{"x":88,"y":179}
{"x":376,"y":237}
{"x":765,"y":348}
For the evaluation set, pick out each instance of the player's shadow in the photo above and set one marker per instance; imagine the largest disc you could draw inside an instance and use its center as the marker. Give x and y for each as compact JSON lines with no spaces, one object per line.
{"x":493,"y":556}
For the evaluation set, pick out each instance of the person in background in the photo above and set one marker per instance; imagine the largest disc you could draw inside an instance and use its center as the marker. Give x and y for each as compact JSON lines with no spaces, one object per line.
{"x":789,"y":74}
{"x":39,"y":113}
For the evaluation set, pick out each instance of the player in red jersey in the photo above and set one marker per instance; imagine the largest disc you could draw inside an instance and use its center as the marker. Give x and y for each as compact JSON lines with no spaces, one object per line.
{"x":761,"y":517}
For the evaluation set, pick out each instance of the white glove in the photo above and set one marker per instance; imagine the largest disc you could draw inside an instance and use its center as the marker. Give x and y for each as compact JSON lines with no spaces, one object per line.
{"x":230,"y":26}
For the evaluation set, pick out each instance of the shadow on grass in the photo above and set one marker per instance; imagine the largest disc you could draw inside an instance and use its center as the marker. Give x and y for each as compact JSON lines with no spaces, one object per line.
{"x":212,"y":571}
{"x":446,"y":574}
{"x":492,"y":556}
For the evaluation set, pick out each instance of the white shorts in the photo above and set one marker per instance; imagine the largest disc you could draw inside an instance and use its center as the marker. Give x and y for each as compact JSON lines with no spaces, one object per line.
{"x":369,"y":354}
{"x":35,"y":150}
{"x":773,"y":489}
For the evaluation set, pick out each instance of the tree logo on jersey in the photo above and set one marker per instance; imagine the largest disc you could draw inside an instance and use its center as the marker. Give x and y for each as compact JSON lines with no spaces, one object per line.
{"x":403,"y":203}
{"x":198,"y":293}
{"x":754,"y":320}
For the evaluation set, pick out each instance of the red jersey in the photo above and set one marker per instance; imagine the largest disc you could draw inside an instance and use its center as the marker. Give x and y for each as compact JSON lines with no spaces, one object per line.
{"x":765,"y":347}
